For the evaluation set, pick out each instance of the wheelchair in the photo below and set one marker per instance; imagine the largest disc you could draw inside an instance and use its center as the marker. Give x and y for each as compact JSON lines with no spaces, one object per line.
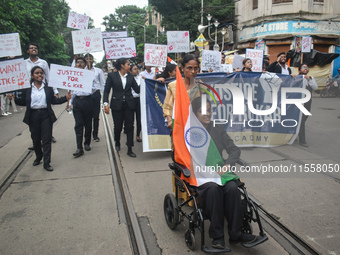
{"x":175,"y":213}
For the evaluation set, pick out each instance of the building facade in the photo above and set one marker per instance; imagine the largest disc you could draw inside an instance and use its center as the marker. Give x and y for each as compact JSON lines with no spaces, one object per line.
{"x":278,"y":25}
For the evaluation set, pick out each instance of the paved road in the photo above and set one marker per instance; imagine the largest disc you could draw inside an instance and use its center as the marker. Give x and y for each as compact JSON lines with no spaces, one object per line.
{"x":73,"y":209}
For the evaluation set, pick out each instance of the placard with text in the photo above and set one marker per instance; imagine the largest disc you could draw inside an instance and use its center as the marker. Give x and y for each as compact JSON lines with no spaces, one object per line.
{"x":13,"y":75}
{"x":70,"y":78}
{"x":256,"y":57}
{"x":87,"y":40}
{"x":116,"y":48}
{"x":155,"y":55}
{"x":178,"y":41}
{"x":77,"y":21}
{"x":10,"y":45}
{"x":115,"y":34}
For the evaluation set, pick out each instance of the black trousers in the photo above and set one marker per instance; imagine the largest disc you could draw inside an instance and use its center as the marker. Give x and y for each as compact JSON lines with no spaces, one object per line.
{"x":120,"y":118}
{"x":218,"y":202}
{"x":302,"y":131}
{"x":41,"y":133}
{"x":82,"y":113}
{"x":138,"y":118}
{"x":95,"y":112}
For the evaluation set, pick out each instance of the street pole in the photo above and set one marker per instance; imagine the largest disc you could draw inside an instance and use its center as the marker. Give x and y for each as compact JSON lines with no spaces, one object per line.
{"x":202,"y":13}
{"x":144,"y":34}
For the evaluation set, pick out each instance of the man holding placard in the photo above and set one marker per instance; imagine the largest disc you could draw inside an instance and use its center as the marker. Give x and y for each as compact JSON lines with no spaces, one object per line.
{"x":82,"y":113}
{"x":34,"y":60}
{"x":97,"y":86}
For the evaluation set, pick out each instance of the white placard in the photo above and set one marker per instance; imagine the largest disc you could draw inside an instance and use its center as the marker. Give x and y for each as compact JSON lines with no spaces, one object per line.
{"x":178,"y":41}
{"x":10,"y":45}
{"x":227,"y":68}
{"x":13,"y":75}
{"x":77,"y":21}
{"x":117,"y":34}
{"x":237,"y":62}
{"x":87,"y":40}
{"x":71,"y":78}
{"x":155,"y":55}
{"x":211,"y":59}
{"x":306,"y":44}
{"x":256,"y":57}
{"x":120,"y":48}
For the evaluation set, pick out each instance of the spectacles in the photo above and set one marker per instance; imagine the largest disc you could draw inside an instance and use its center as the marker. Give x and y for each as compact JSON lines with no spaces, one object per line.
{"x":33,"y":48}
{"x":80,"y":62}
{"x":305,"y":67}
{"x":190,"y":68}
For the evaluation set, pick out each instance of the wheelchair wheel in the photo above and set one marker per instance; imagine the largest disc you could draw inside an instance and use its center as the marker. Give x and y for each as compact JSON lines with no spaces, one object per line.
{"x":171,"y":211}
{"x":190,"y":239}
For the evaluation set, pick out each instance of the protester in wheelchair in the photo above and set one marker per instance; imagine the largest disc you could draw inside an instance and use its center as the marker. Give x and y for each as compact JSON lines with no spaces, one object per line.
{"x":219,"y":201}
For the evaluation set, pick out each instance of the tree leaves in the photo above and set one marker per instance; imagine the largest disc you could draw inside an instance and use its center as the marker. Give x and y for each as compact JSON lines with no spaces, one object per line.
{"x":39,"y":21}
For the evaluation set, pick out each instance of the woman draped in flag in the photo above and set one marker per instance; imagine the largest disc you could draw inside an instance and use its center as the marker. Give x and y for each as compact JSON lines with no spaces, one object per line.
{"x":190,"y":68}
{"x":217,"y":190}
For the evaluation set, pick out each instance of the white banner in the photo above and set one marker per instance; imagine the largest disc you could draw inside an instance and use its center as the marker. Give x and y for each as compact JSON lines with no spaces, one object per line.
{"x":70,"y":78}
{"x":256,"y":57}
{"x":117,"y":34}
{"x":227,"y":68}
{"x":87,"y":40}
{"x":178,"y":41}
{"x":211,"y":59}
{"x":120,"y":48}
{"x":10,"y":45}
{"x":13,"y":75}
{"x":306,"y":44}
{"x":155,"y":55}
{"x":77,"y":21}
{"x":237,"y":62}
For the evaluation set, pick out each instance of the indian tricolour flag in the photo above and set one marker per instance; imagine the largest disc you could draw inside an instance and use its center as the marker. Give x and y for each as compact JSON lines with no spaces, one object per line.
{"x":193,"y":145}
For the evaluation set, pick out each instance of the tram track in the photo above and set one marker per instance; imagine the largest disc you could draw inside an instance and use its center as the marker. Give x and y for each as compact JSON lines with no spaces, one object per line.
{"x":290,"y":241}
{"x":125,"y":207}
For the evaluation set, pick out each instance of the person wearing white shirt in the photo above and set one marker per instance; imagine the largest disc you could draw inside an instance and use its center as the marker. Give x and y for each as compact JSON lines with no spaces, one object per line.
{"x":34,"y":60}
{"x":39,"y":115}
{"x":97,"y":87}
{"x":310,"y":84}
{"x":134,"y":71}
{"x":122,"y":102}
{"x":82,"y":113}
{"x":147,"y":73}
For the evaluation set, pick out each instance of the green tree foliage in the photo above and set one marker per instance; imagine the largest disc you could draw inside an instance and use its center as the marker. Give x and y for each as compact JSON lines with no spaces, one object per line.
{"x":131,"y":18}
{"x":186,"y":14}
{"x":39,"y":21}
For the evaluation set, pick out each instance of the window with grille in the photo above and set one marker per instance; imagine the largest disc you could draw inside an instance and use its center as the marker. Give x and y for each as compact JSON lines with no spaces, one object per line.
{"x":255,"y":4}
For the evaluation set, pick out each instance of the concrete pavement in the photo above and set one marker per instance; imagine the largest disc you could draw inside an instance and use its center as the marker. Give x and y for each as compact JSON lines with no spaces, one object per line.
{"x":73,"y":210}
